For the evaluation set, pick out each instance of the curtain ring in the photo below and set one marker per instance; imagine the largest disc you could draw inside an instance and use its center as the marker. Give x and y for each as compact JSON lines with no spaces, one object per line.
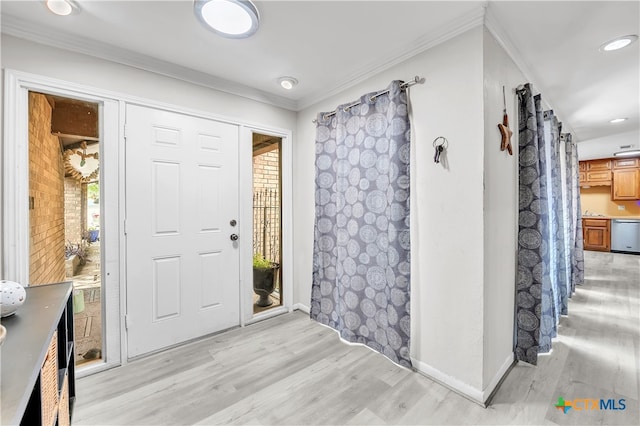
{"x":444,"y":143}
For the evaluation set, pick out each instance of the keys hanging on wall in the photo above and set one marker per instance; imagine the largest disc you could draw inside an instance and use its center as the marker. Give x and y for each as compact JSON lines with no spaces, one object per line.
{"x":436,"y":157}
{"x":439,"y":144}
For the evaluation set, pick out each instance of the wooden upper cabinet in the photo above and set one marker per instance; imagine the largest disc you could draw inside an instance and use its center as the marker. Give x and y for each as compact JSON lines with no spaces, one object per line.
{"x":622,"y":174}
{"x":595,"y":172}
{"x":602,"y":177}
{"x":626,"y":163}
{"x":599,"y":165}
{"x":626,"y":184}
{"x":583,"y":177}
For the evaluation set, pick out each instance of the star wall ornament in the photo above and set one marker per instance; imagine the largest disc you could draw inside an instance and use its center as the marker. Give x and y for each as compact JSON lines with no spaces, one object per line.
{"x":506,"y":134}
{"x":505,"y":131}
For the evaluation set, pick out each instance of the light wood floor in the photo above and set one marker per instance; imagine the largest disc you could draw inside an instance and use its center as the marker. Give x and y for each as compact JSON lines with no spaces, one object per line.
{"x":290,"y":370}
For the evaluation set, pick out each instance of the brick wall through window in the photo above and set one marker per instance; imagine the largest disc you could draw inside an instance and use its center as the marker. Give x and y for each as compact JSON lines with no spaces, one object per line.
{"x":266,"y":204}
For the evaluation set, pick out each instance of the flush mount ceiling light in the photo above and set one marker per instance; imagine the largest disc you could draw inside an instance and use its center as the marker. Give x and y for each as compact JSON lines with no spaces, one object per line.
{"x":60,"y":7}
{"x":629,"y":153}
{"x":617,"y":120}
{"x":228,"y":18}
{"x":618,"y":43}
{"x":287,"y":83}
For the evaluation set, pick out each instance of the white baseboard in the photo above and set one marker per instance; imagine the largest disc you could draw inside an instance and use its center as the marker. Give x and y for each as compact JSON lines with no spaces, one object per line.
{"x":473,"y":394}
{"x":461,"y":388}
{"x":301,"y":307}
{"x":497,"y":379}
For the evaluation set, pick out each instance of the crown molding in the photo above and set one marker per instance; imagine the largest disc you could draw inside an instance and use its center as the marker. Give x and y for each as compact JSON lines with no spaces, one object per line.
{"x":492,"y":24}
{"x":23,"y":29}
{"x":440,"y":35}
{"x":20,"y":28}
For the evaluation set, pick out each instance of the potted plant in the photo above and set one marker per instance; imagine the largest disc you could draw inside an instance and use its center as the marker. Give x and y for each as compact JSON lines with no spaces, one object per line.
{"x":265,"y":274}
{"x":93,"y":234}
{"x":75,"y":256}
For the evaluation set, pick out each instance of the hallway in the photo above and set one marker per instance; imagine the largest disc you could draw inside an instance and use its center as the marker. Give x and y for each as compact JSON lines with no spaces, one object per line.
{"x":290,"y":370}
{"x":594,"y":356}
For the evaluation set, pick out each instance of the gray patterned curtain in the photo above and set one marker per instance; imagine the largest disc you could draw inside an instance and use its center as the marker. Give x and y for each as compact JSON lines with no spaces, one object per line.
{"x":574,"y":209}
{"x":557,"y":224}
{"x":361,"y":248}
{"x":532,"y":227}
{"x":548,"y":257}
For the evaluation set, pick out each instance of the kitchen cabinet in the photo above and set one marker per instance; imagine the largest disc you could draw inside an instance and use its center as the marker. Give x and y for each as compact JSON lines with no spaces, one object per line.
{"x":626,"y":163}
{"x":626,"y":184}
{"x":598,"y":165}
{"x":583,"y":177}
{"x":595,"y":172}
{"x":622,"y":174}
{"x":38,"y":370}
{"x":596,"y":234}
{"x":599,"y":178}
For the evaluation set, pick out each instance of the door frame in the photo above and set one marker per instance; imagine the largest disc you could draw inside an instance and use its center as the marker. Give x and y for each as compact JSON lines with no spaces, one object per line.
{"x":14,"y":250}
{"x":246,"y":214}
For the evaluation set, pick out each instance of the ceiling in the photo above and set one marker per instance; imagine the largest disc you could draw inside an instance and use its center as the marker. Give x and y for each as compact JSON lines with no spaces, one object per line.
{"x":331,"y":45}
{"x":74,"y":121}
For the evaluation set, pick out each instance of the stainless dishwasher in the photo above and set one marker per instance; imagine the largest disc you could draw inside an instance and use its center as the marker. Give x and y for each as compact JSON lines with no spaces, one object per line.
{"x":625,"y":235}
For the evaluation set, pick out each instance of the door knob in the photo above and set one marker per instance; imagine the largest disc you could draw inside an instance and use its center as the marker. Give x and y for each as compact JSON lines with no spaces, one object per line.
{"x":234,"y":237}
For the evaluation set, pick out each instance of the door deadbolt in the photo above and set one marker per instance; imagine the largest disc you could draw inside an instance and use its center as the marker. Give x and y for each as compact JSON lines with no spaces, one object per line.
{"x":234,"y":237}
{"x":233,"y":222}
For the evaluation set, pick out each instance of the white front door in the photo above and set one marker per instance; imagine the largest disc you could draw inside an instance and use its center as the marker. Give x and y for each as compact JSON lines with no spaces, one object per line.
{"x":181,"y":198}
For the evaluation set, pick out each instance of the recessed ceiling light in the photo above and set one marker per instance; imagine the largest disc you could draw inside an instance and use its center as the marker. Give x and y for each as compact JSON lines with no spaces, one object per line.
{"x":228,"y":18}
{"x":60,"y":7}
{"x":618,"y":43}
{"x":287,"y":83}
{"x":617,"y":120}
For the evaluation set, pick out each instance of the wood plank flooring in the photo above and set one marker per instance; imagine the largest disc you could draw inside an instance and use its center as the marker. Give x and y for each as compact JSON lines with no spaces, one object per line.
{"x":290,"y":370}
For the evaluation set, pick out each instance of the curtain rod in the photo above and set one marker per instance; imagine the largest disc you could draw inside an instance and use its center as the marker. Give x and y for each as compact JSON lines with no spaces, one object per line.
{"x":414,"y":80}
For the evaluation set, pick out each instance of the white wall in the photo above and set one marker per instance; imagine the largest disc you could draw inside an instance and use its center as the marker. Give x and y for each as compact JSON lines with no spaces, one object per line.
{"x":605,"y":147}
{"x":462,"y":214}
{"x":64,"y":65}
{"x":447,"y":206}
{"x":500,"y":211}
{"x":26,"y":56}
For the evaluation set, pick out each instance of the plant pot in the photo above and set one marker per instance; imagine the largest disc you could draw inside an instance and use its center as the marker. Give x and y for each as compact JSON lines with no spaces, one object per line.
{"x":264,"y":282}
{"x":71,"y":265}
{"x":93,"y":235}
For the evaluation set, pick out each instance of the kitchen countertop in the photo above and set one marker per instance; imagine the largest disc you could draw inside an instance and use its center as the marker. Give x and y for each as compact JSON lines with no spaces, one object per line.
{"x":612,"y":217}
